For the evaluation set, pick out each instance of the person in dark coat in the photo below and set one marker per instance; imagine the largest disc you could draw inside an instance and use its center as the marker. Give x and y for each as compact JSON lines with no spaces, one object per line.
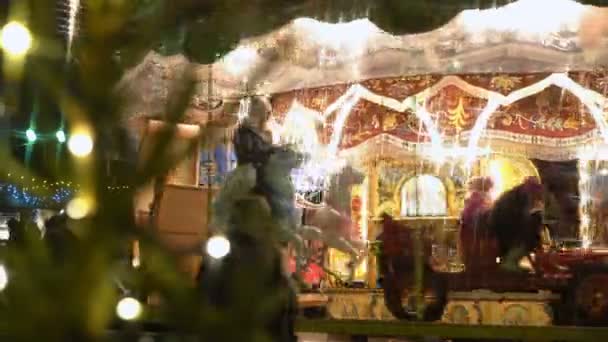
{"x":16,"y":231}
{"x":58,"y":237}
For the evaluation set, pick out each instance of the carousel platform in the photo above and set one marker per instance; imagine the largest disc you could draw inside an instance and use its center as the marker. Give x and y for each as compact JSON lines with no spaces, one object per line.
{"x":480,"y":307}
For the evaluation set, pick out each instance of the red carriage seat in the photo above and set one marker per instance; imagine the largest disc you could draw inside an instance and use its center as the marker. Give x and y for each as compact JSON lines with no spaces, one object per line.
{"x":396,"y":240}
{"x":478,"y":246}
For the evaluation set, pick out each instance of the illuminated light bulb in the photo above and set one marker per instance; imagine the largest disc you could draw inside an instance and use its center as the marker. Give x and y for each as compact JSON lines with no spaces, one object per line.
{"x":30,"y":135}
{"x":60,"y":135}
{"x":15,"y":39}
{"x":79,"y":208}
{"x":129,"y":308}
{"x":218,"y":247}
{"x":80,"y":144}
{"x":604,"y":172}
{"x":3,"y":277}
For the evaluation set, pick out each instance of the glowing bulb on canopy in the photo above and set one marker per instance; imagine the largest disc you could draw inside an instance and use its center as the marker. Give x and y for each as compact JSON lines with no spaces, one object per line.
{"x":15,"y":39}
{"x":80,"y":144}
{"x":522,"y":17}
{"x":218,"y":247}
{"x":128,"y":308}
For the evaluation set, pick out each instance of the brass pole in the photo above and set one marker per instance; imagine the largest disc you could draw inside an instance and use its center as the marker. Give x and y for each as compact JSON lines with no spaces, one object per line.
{"x":372,"y":231}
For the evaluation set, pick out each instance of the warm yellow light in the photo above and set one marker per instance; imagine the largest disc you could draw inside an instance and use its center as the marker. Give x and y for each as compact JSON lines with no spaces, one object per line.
{"x":79,"y":208}
{"x":80,"y":144}
{"x":496,"y":175}
{"x":128,"y":309}
{"x":3,"y":277}
{"x":15,"y":38}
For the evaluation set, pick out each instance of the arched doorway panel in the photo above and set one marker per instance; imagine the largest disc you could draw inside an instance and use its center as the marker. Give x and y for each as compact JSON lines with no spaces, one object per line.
{"x":423,"y":195}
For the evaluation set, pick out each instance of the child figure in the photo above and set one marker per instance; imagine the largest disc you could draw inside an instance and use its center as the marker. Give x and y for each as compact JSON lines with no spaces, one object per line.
{"x":476,"y":243}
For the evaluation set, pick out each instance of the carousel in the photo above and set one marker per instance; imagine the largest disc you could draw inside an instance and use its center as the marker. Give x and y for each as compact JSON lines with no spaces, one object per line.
{"x":398,"y":133}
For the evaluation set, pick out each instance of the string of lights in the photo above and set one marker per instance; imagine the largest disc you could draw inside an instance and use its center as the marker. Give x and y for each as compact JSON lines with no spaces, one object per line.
{"x":31,"y":136}
{"x":18,"y":191}
{"x":23,"y":197}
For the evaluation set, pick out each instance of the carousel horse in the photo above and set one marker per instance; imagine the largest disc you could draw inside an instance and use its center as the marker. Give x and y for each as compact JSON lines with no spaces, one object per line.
{"x":265,"y":169}
{"x":323,"y":224}
{"x":516,"y":222}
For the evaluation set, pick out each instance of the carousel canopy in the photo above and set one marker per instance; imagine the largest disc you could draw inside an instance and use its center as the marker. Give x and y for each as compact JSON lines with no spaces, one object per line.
{"x":527,"y":75}
{"x":526,"y":36}
{"x":307,"y":53}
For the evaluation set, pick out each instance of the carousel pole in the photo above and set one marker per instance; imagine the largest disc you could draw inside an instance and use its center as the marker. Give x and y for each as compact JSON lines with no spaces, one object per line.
{"x":210,"y":164}
{"x":372,"y":233}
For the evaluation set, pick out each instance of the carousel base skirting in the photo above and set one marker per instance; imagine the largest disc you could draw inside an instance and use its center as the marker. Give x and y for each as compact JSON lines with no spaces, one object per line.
{"x":490,"y":308}
{"x":364,"y":304}
{"x":479,"y":307}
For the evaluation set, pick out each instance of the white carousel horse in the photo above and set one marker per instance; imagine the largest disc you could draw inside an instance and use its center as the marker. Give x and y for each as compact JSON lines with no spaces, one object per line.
{"x":326,"y":223}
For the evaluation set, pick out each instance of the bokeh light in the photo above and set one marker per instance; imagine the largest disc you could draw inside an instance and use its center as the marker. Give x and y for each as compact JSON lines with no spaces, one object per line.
{"x":31,"y":135}
{"x":15,"y":38}
{"x":218,"y":247}
{"x":79,"y":207}
{"x":80,"y":144}
{"x":128,"y":308}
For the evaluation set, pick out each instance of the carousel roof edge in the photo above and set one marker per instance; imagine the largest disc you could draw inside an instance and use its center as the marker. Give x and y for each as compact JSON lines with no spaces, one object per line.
{"x":513,"y":38}
{"x":387,"y":147}
{"x":307,"y":53}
